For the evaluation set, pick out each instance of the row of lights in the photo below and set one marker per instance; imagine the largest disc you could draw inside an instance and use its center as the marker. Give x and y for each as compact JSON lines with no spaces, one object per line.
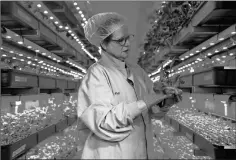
{"x":81,"y":14}
{"x":15,"y":37}
{"x":207,"y":46}
{"x":191,"y":65}
{"x":159,"y":69}
{"x":75,"y":65}
{"x":83,"y":25}
{"x":68,"y":28}
{"x":41,"y":63}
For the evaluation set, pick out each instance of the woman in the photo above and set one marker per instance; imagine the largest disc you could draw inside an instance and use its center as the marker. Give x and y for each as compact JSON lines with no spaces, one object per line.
{"x":115,"y":97}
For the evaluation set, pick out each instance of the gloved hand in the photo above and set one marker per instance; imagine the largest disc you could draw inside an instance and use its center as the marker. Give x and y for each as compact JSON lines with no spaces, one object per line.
{"x":153,"y":99}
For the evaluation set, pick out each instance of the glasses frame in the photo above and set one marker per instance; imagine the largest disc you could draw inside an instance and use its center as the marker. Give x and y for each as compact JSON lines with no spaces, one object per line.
{"x":122,"y":41}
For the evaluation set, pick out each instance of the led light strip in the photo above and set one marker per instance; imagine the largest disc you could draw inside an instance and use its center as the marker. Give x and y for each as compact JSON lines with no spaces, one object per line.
{"x":41,"y":63}
{"x":68,"y":28}
{"x":210,"y":42}
{"x":10,"y":35}
{"x":71,"y":62}
{"x":167,"y":62}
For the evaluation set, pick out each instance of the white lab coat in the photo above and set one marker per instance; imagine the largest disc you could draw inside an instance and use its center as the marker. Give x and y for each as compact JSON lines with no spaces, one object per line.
{"x":117,"y":117}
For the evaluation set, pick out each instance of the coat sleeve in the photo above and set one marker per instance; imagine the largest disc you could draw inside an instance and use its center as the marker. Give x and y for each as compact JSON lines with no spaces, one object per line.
{"x":97,"y":110}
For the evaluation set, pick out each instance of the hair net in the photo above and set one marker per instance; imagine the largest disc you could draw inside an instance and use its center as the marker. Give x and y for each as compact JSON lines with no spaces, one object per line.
{"x":101,"y":25}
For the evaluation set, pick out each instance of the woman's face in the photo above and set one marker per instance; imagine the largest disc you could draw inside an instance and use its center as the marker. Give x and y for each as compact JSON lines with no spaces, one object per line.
{"x":119,"y":44}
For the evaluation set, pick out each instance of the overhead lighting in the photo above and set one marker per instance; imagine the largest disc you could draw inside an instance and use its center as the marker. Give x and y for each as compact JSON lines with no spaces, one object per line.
{"x":29,"y":62}
{"x":191,"y":54}
{"x":39,"y":5}
{"x":37,"y":50}
{"x":233,"y":32}
{"x":221,"y":39}
{"x":80,"y":12}
{"x":84,"y":19}
{"x":60,"y":26}
{"x":218,"y":59}
{"x":72,"y":34}
{"x":20,"y":54}
{"x":33,"y":64}
{"x":43,"y":53}
{"x":75,"y":3}
{"x":56,"y":22}
{"x":49,"y":56}
{"x":58,"y":61}
{"x":186,"y":56}
{"x":69,"y":31}
{"x":51,"y":17}
{"x":197,"y":51}
{"x":182,"y":59}
{"x":223,"y":56}
{"x":36,"y":59}
{"x":77,"y":8}
{"x":4,"y":55}
{"x":9,"y":37}
{"x":29,"y":57}
{"x":40,"y":62}
{"x":11,"y":51}
{"x":203,"y":47}
{"x":66,"y":27}
{"x":20,"y":42}
{"x":209,"y":54}
{"x":82,"y":15}
{"x":29,"y":47}
{"x":45,"y":12}
{"x":216,"y":51}
{"x":13,"y":57}
{"x":212,"y":44}
{"x":54,"y":59}
{"x":224,"y":48}
{"x":22,"y":60}
{"x":231,"y":54}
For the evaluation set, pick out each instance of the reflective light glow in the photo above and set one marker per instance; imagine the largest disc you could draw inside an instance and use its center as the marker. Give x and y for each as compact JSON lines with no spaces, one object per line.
{"x":60,"y":26}
{"x":197,"y":51}
{"x":233,"y":32}
{"x":22,"y":60}
{"x":37,"y":50}
{"x":221,"y":39}
{"x":8,"y":37}
{"x":186,"y":56}
{"x":56,"y":22}
{"x":51,"y":17}
{"x":224,"y":48}
{"x":77,"y":8}
{"x":203,"y":47}
{"x":20,"y":54}
{"x":29,"y":57}
{"x":29,"y":62}
{"x":80,"y":12}
{"x":45,"y":12}
{"x":218,"y":59}
{"x":69,"y":31}
{"x":43,"y":53}
{"x":216,"y":51}
{"x":40,"y":62}
{"x":29,"y":47}
{"x":66,"y":27}
{"x":82,"y":15}
{"x":4,"y":55}
{"x":84,"y":19}
{"x":191,"y":54}
{"x":223,"y":56}
{"x":11,"y":51}
{"x":20,"y":42}
{"x":39,"y":5}
{"x":75,"y":3}
{"x":209,"y":54}
{"x":231,"y":54}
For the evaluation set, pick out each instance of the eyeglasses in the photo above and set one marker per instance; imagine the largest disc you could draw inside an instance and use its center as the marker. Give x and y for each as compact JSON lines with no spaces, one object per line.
{"x":122,"y":41}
